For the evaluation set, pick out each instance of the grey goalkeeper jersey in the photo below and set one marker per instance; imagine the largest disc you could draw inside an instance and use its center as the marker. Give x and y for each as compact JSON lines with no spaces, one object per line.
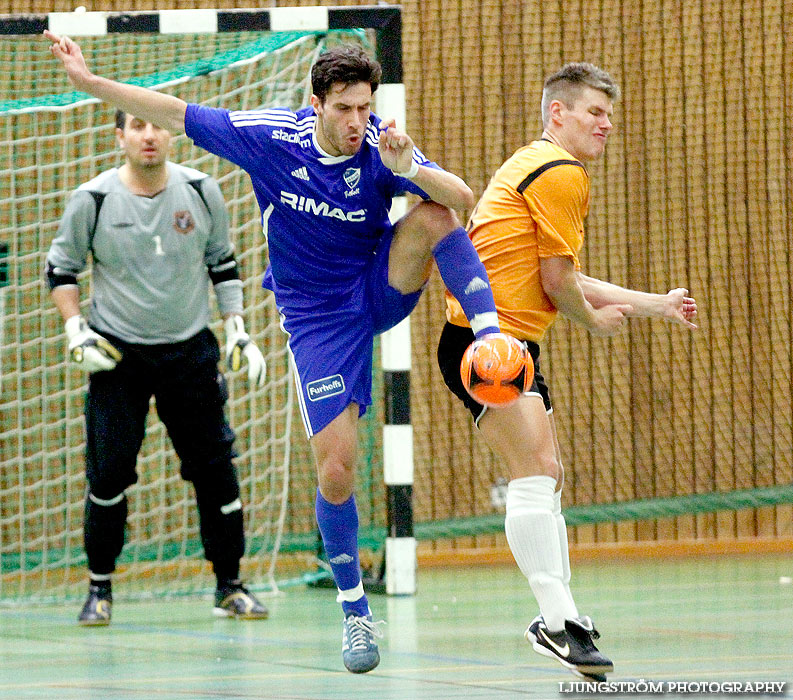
{"x":150,"y":255}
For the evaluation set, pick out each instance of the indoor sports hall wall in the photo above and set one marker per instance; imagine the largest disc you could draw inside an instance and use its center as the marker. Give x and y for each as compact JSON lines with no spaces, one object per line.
{"x":695,"y":191}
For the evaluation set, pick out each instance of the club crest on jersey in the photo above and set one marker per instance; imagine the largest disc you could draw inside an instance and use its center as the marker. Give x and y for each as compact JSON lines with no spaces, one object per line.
{"x":352,"y":176}
{"x":183,"y":222}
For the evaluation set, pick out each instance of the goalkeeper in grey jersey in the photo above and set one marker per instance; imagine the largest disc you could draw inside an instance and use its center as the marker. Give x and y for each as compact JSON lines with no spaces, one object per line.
{"x":158,"y":235}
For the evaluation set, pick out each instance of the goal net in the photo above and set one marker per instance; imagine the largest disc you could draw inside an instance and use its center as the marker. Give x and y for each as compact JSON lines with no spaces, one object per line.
{"x":54,"y":139}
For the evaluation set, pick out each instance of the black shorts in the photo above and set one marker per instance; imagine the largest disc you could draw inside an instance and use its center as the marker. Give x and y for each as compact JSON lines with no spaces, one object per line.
{"x":190,"y":395}
{"x":451,"y":348}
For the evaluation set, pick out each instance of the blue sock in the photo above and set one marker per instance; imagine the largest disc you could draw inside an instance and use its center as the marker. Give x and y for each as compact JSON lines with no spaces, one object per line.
{"x":339,"y":528}
{"x":465,"y":277}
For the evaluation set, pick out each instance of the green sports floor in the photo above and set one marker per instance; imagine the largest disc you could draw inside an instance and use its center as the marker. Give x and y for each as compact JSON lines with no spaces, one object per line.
{"x":707,"y":619}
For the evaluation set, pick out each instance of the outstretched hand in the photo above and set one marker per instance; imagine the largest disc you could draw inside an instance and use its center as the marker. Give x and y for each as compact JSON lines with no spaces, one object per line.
{"x":69,"y":54}
{"x":395,"y":147}
{"x":680,"y":308}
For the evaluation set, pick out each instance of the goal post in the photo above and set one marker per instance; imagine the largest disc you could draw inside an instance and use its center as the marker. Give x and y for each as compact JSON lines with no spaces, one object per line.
{"x":54,"y":139}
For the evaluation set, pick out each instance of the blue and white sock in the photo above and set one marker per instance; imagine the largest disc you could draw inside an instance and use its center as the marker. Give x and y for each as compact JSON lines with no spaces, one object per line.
{"x":466,"y":278}
{"x":339,"y":528}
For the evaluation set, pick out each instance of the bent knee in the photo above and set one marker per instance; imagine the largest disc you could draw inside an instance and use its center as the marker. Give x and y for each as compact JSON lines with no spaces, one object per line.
{"x":107,"y":502}
{"x":336,"y":470}
{"x":548,"y":465}
{"x":435,"y":221}
{"x":336,"y":478}
{"x":108,"y":487}
{"x":537,"y":465}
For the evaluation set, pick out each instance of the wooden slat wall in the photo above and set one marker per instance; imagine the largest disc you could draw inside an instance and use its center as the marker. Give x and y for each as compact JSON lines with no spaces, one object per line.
{"x":695,"y":190}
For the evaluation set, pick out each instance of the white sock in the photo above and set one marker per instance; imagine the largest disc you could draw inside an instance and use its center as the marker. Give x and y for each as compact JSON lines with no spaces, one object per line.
{"x":564,"y":547}
{"x":533,"y":537}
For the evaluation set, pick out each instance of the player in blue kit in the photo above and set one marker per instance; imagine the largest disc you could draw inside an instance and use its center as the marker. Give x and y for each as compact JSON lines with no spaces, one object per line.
{"x":324,"y":178}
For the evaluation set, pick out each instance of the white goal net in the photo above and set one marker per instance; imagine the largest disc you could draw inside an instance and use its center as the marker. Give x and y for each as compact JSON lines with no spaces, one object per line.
{"x":52,"y":141}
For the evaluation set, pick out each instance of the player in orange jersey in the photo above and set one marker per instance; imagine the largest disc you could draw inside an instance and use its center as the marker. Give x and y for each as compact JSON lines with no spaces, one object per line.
{"x":528,"y":228}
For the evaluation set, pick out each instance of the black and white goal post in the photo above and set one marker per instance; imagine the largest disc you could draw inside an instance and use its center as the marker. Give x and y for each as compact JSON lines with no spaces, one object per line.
{"x":400,"y":547}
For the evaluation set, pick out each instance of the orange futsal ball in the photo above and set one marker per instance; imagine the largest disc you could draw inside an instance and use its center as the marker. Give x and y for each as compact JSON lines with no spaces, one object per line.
{"x":496,"y":369}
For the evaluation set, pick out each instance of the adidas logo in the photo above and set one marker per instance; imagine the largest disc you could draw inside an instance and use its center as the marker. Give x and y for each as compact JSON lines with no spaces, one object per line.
{"x":477,"y":284}
{"x":342,"y":558}
{"x":300,"y":173}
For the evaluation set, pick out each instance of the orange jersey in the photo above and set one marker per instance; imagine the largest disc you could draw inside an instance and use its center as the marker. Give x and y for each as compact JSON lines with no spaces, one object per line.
{"x":534,"y":207}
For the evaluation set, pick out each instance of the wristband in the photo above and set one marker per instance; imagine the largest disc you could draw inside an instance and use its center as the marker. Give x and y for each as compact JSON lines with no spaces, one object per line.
{"x":411,"y":172}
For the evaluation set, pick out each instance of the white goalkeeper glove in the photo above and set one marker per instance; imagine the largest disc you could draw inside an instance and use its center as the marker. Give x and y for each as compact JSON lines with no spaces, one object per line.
{"x":239,"y":345}
{"x":88,"y":349}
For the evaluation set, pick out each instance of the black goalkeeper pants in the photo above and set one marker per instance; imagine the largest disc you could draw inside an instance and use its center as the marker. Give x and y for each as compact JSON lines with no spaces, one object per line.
{"x":190,"y":396}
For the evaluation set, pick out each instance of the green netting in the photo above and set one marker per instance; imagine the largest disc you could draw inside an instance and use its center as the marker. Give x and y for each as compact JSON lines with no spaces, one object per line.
{"x":229,"y":49}
{"x":372,"y":537}
{"x":645,"y":509}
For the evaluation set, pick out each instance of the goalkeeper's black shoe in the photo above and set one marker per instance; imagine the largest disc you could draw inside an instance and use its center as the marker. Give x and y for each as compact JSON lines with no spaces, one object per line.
{"x":97,"y":608}
{"x":234,"y":600}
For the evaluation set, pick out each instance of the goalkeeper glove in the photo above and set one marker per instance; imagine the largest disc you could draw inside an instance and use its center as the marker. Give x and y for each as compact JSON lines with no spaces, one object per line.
{"x":89,"y":349}
{"x":239,"y":345}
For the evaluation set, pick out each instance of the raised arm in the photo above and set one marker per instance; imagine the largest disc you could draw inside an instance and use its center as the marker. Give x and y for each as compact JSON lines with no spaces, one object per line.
{"x":675,"y":306}
{"x":396,"y":152}
{"x":560,"y":281}
{"x":444,"y":188}
{"x":165,"y":111}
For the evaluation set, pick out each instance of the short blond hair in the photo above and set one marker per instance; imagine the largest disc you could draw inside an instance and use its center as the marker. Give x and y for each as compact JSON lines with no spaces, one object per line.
{"x":568,"y":82}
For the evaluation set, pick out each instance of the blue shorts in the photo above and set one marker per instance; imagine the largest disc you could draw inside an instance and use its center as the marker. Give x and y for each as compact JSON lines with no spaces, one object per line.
{"x":331,"y":345}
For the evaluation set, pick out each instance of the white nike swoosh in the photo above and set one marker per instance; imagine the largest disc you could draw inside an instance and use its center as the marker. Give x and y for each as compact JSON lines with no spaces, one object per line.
{"x":562,"y":651}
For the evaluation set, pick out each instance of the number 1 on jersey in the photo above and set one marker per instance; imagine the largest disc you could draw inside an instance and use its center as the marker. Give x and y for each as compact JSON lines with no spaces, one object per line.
{"x":158,"y":246}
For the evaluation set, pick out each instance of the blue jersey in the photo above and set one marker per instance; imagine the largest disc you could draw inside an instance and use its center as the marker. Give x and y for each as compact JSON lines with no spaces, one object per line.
{"x":323,"y":215}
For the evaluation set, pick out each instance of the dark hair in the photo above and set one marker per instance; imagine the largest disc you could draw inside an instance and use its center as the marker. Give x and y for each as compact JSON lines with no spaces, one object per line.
{"x":121,"y":119}
{"x":566,"y":85}
{"x":347,"y":64}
